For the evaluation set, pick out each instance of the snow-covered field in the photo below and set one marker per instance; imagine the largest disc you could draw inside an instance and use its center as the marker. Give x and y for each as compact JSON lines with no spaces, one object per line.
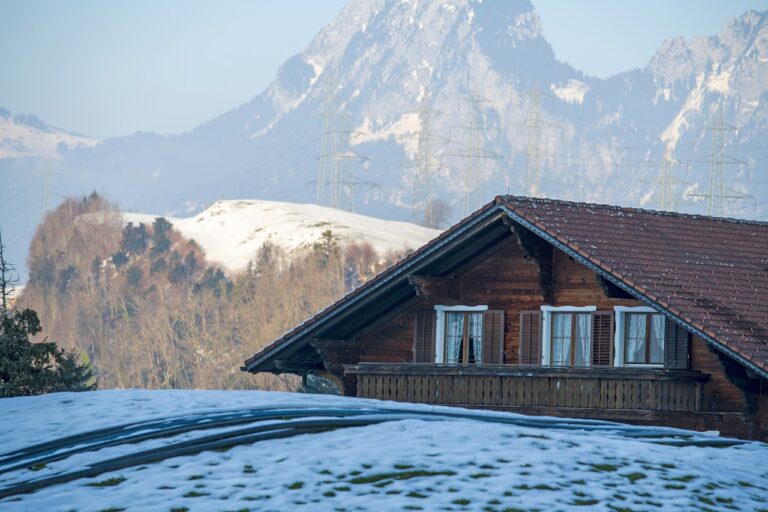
{"x":445,"y":463}
{"x":231,"y":232}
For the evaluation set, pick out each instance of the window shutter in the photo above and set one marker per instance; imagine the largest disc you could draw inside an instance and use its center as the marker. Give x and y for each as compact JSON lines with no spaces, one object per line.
{"x":493,"y":337}
{"x":530,"y":337}
{"x":424,"y":337}
{"x":676,"y":346}
{"x":602,"y":338}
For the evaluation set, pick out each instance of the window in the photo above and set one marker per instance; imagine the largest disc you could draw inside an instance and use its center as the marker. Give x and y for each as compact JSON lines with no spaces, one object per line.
{"x":567,"y":335}
{"x":639,"y":340}
{"x":468,"y":335}
{"x":463,"y":337}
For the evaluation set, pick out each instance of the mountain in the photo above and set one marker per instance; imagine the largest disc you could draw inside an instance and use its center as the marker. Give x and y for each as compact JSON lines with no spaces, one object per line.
{"x":401,"y":103}
{"x":231,"y":232}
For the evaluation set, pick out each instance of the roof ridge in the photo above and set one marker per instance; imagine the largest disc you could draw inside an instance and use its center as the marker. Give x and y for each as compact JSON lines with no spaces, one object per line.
{"x":508,"y":198}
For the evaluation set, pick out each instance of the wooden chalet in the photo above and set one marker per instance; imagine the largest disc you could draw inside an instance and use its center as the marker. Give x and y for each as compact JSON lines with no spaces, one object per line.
{"x":560,"y":308}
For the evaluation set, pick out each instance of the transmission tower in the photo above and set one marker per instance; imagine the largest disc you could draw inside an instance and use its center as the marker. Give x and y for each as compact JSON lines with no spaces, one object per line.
{"x":426,"y":164}
{"x":665,"y":182}
{"x":717,"y":194}
{"x":534,"y":128}
{"x":335,"y":181}
{"x":474,"y":155}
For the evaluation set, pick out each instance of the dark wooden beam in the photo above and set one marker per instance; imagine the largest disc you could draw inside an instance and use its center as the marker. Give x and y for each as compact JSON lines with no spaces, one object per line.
{"x":435,"y":288}
{"x":541,"y":252}
{"x":385,"y":318}
{"x":611,"y":290}
{"x":298,"y":367}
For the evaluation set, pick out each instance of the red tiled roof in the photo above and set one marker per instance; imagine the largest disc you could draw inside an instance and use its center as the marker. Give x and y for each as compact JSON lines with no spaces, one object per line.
{"x":710,"y":272}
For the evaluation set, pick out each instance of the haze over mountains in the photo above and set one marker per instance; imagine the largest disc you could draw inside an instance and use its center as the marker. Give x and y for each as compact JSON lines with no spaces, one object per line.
{"x":411,"y":100}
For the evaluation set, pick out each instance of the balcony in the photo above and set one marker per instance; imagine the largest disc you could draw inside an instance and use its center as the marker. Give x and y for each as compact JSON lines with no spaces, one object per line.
{"x":611,"y":393}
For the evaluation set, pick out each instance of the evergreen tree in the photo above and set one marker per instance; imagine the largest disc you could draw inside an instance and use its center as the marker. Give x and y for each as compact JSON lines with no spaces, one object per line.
{"x":28,"y":368}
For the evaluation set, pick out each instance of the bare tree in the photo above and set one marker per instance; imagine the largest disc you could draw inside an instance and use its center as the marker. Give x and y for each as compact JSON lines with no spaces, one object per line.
{"x":7,"y":281}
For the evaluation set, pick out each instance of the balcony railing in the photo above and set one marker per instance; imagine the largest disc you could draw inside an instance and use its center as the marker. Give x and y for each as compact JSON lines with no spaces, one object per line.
{"x":509,"y":386}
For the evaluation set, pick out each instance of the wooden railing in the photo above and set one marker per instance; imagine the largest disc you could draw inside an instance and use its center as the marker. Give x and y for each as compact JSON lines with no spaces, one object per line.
{"x":508,"y":386}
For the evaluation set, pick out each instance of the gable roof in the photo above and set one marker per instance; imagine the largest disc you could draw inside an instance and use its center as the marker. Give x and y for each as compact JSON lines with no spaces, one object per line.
{"x":708,"y":274}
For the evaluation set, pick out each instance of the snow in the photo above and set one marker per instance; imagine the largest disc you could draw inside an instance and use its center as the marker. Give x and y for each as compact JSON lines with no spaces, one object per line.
{"x":465,"y":464}
{"x":22,"y":140}
{"x":573,"y":92}
{"x":672,"y":133}
{"x":718,"y":82}
{"x":232,"y":231}
{"x":404,"y":130}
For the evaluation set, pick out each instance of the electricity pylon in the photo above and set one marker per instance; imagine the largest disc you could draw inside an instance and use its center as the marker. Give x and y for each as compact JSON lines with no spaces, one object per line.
{"x":717,"y":194}
{"x":666,"y":199}
{"x":475,"y":154}
{"x":426,"y":164}
{"x":534,"y":127}
{"x":335,"y":181}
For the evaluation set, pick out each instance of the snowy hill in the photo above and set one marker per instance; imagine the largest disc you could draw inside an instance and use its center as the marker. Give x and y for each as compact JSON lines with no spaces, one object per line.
{"x":251,"y":450}
{"x":231,"y":232}
{"x":27,"y":136}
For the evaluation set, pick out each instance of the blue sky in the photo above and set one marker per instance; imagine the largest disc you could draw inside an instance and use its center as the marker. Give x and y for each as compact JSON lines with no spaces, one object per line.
{"x":112,"y":68}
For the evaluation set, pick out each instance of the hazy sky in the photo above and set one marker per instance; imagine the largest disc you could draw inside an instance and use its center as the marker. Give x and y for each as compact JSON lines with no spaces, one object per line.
{"x":106,"y":68}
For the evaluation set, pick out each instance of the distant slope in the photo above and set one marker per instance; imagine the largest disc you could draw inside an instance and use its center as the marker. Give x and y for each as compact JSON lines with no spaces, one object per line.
{"x":231,"y":232}
{"x":27,"y":136}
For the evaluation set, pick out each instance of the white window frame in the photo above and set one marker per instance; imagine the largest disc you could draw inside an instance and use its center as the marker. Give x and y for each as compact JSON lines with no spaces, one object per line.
{"x":618,"y":336}
{"x":440,"y":326}
{"x":546,"y":329}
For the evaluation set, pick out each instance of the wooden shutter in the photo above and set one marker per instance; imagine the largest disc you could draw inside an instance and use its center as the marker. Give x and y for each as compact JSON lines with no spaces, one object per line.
{"x":602,"y":338}
{"x":493,"y":337}
{"x":676,"y":346}
{"x":530,"y":337}
{"x":424,"y":337}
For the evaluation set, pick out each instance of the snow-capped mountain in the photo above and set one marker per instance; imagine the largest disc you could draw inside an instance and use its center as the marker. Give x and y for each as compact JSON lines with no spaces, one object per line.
{"x":458,"y":100}
{"x":231,"y":232}
{"x":28,"y":136}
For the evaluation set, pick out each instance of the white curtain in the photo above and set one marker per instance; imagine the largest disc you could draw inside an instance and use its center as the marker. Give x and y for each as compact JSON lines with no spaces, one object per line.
{"x":476,"y":335}
{"x":583,"y":342}
{"x":561,"y":339}
{"x":454,"y":333}
{"x":635,"y":338}
{"x":657,"y":339}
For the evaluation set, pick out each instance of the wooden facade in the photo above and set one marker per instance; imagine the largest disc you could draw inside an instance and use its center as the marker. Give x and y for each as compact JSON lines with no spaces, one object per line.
{"x":389,"y":348}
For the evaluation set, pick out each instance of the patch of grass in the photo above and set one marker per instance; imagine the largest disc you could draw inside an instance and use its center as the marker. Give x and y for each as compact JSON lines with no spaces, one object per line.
{"x":325,"y":472}
{"x":545,"y":487}
{"x":355,"y":473}
{"x":367,"y":466}
{"x":720,"y":499}
{"x":112,"y":509}
{"x":634,"y":476}
{"x":383,"y":484}
{"x":416,"y":494}
{"x":180,"y":509}
{"x":196,"y":477}
{"x":461,"y":501}
{"x":38,"y":466}
{"x":578,"y":482}
{"x":403,"y":466}
{"x":505,"y":461}
{"x":405,"y":475}
{"x":667,"y":465}
{"x":195,"y":494}
{"x":488,"y":466}
{"x":393,"y":491}
{"x":329,"y":494}
{"x":533,"y":436}
{"x":513,"y":509}
{"x":295,"y":485}
{"x":684,"y":478}
{"x":585,"y":502}
{"x":523,"y":487}
{"x":603,"y":468}
{"x":676,"y":487}
{"x":248,"y":468}
{"x":166,"y":487}
{"x":494,"y":502}
{"x":109,"y":482}
{"x":412,"y":507}
{"x":480,"y":475}
{"x":342,"y":488}
{"x":705,"y":500}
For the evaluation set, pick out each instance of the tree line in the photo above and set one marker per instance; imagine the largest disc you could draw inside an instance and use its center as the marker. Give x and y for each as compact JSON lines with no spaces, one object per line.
{"x":147,"y":309}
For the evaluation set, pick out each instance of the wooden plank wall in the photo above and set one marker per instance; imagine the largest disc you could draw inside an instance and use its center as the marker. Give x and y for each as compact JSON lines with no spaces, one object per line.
{"x":718,"y":394}
{"x":504,"y":279}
